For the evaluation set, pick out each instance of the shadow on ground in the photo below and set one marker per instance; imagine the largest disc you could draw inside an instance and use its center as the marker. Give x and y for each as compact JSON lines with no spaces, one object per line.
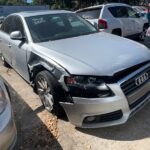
{"x":32,"y":132}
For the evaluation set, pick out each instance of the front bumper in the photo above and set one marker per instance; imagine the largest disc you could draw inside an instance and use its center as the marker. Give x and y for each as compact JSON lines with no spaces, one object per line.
{"x":82,"y":108}
{"x":8,"y":133}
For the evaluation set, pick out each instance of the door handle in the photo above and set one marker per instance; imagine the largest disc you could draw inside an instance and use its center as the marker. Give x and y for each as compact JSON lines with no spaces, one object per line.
{"x":9,"y":45}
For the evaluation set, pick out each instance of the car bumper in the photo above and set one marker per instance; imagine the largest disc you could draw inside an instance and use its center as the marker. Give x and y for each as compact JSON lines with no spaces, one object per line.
{"x":108,"y":111}
{"x":8,"y":133}
{"x":106,"y":30}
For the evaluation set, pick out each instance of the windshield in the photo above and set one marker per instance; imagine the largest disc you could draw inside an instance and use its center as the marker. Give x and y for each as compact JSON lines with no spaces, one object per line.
{"x":58,"y":26}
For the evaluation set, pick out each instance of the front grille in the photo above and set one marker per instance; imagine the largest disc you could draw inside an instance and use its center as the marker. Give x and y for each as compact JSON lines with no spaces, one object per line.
{"x":133,"y":105}
{"x":136,"y":94}
{"x":130,"y":86}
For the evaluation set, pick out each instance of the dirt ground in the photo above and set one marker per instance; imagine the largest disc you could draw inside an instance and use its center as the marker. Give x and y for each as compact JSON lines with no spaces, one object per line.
{"x":39,"y":130}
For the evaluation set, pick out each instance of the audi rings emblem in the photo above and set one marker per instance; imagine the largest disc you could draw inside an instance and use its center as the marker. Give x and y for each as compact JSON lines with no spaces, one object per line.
{"x":141,"y":79}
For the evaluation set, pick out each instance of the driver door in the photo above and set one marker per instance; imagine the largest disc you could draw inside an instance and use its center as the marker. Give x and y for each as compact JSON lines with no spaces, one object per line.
{"x":19,"y":49}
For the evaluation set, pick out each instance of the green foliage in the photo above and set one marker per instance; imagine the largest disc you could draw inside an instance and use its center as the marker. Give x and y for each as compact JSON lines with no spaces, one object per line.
{"x":59,"y":4}
{"x":41,"y":2}
{"x":11,"y":2}
{"x":76,"y":4}
{"x":71,"y":4}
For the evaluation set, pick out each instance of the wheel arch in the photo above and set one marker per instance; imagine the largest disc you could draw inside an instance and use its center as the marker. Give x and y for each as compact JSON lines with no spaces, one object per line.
{"x":37,"y":64}
{"x":146,"y":25}
{"x":117,"y":30}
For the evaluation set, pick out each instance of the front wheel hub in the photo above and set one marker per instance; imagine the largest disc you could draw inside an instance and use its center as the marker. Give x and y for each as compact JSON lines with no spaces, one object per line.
{"x":45,"y":94}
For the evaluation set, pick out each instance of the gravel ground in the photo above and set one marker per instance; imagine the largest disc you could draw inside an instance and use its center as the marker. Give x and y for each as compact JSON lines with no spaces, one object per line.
{"x":39,"y":130}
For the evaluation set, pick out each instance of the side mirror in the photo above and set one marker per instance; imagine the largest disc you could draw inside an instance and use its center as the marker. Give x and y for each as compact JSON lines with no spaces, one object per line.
{"x":16,"y":35}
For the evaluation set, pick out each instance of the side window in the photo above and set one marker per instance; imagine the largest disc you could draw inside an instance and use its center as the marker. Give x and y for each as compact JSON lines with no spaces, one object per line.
{"x":90,"y":13}
{"x":11,"y":24}
{"x":17,"y":25}
{"x":6,"y":26}
{"x":113,"y":11}
{"x":119,"y":12}
{"x":75,"y":22}
{"x":131,"y":13}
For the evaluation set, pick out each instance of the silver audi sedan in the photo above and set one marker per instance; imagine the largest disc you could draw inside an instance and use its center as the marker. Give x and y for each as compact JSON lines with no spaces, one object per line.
{"x":99,"y":79}
{"x":8,"y":132}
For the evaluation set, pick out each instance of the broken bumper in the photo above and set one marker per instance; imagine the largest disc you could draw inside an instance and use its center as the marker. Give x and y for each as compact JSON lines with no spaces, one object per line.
{"x":107,"y":111}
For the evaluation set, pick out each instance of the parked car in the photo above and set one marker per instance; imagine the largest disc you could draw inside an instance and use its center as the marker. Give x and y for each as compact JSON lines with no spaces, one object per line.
{"x":147,"y":38}
{"x":146,"y":15}
{"x":99,"y":79}
{"x":140,"y":9}
{"x":143,"y":12}
{"x":116,"y":18}
{"x":8,"y":132}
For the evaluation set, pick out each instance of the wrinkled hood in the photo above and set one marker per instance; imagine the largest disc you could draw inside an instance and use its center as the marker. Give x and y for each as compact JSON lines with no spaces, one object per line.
{"x":94,"y":54}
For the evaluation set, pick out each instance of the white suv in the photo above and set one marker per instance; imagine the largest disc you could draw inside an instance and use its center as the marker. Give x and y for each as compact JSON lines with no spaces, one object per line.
{"x":116,"y":18}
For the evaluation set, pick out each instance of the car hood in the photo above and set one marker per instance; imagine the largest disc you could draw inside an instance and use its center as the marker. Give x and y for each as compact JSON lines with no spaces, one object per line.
{"x":95,"y":54}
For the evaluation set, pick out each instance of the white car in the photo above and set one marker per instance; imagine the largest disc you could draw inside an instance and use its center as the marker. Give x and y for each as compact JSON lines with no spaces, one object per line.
{"x":140,"y":9}
{"x":116,"y":18}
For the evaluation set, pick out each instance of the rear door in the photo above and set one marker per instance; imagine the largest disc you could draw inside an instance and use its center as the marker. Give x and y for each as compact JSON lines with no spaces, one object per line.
{"x":121,"y":15}
{"x":92,"y":15}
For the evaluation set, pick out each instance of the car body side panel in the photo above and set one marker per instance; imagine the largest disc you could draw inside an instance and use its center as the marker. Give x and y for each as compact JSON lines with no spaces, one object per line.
{"x":19,"y":60}
{"x":37,"y":63}
{"x":4,"y":46}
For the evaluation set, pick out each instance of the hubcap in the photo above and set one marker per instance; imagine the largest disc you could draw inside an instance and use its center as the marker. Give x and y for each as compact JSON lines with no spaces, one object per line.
{"x":45,"y":94}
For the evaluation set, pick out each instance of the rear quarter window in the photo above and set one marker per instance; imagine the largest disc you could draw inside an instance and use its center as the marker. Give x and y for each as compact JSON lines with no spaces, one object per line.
{"x":118,"y":12}
{"x":90,"y":13}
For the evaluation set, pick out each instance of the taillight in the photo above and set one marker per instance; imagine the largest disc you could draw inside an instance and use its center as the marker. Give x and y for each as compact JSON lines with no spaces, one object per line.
{"x":102,"y":24}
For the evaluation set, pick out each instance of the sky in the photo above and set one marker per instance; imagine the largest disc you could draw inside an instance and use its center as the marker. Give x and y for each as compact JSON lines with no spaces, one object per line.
{"x":29,"y":1}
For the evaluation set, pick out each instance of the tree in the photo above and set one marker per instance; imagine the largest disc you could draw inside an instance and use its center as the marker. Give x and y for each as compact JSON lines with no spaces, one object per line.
{"x":41,"y":2}
{"x":12,"y":2}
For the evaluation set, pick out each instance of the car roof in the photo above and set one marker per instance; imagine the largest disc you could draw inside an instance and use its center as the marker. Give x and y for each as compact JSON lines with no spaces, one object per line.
{"x":40,"y":12}
{"x":107,"y":4}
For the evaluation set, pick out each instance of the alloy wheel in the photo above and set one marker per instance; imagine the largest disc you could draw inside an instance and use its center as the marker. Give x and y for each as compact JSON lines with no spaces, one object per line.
{"x":45,"y":93}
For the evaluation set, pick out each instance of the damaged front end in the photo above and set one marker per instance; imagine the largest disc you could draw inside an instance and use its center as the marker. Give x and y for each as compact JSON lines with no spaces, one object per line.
{"x":87,"y":87}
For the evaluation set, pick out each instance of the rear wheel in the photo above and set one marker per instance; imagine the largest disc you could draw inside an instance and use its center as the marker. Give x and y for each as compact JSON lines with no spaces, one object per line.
{"x":46,"y":88}
{"x":143,"y":34}
{"x":116,"y":32}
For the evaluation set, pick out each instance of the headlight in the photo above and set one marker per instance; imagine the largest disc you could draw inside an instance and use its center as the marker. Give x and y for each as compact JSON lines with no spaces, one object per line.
{"x":2,"y":100}
{"x":88,"y":87}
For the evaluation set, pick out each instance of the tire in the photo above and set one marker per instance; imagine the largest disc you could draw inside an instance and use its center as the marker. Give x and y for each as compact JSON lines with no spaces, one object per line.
{"x":5,"y":64}
{"x":117,"y":32}
{"x":47,"y":88}
{"x":143,"y":34}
